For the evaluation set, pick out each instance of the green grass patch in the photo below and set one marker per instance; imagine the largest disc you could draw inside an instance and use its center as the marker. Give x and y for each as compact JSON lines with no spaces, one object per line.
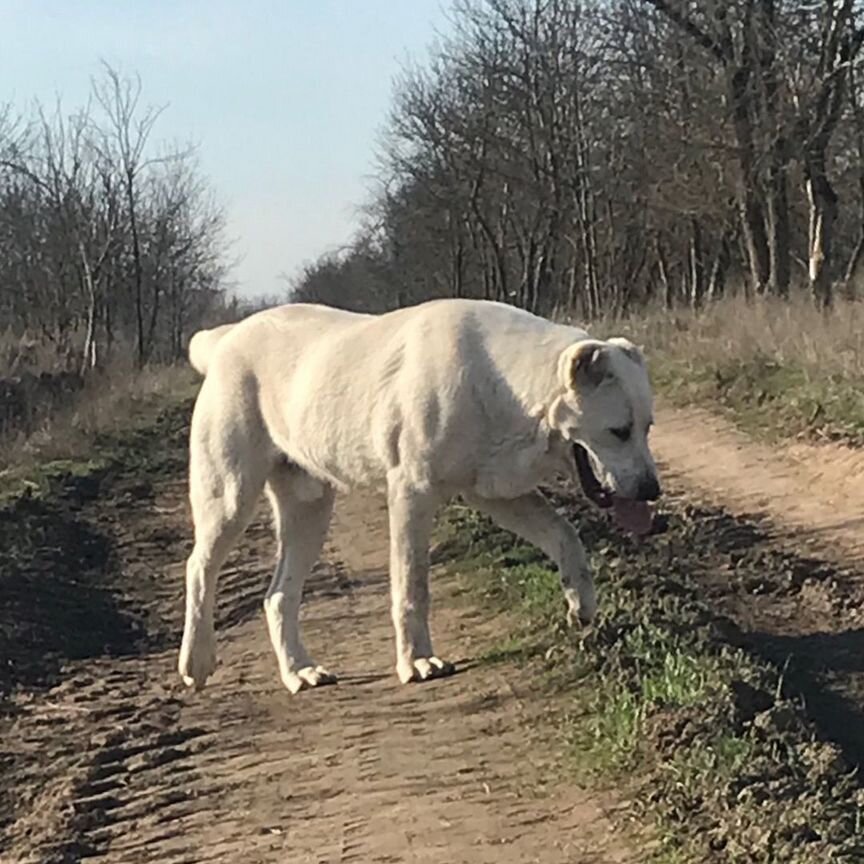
{"x":116,"y":410}
{"x":768,"y":397}
{"x":128,"y":440}
{"x":701,"y":734}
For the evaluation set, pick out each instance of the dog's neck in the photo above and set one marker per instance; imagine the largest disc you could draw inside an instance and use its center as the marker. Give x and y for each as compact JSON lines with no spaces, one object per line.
{"x":541,"y":415}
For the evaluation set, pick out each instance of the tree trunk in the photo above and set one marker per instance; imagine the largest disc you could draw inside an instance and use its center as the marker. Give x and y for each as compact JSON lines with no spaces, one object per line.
{"x":778,"y":227}
{"x":663,"y":271}
{"x":697,"y":270}
{"x":108,"y":322}
{"x":571,"y":288}
{"x":500,"y":272}
{"x":458,"y":265}
{"x":850,"y":278}
{"x":852,"y":273}
{"x":823,"y":214}
{"x":89,"y":358}
{"x":756,"y":243}
{"x":717,"y":279}
{"x":137,"y":267}
{"x":585,"y":207}
{"x":752,"y":214}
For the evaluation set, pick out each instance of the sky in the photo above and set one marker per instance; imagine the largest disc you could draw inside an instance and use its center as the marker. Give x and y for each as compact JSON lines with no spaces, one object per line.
{"x":286,"y":100}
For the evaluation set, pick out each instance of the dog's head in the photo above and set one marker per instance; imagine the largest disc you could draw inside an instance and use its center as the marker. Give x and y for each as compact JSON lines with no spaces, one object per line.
{"x":605,"y":412}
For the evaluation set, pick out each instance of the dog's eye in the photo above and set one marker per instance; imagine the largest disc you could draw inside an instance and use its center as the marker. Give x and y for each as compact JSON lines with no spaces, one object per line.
{"x":622,"y":433}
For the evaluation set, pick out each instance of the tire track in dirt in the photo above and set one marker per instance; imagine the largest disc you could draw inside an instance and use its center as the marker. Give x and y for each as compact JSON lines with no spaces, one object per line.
{"x":813,"y":494}
{"x":116,"y":762}
{"x":798,"y":508}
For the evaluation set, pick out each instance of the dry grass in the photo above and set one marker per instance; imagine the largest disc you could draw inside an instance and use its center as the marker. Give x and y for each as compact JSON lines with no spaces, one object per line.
{"x":27,"y":352}
{"x":111,"y":402}
{"x":790,"y":333}
{"x":782,"y":369}
{"x":779,"y":368}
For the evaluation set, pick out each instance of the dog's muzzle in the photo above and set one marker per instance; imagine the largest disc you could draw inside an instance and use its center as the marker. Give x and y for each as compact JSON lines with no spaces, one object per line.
{"x":633,"y":514}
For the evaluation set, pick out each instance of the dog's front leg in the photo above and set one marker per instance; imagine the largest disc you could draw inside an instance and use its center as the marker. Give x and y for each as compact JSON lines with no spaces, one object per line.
{"x":534,"y":519}
{"x":412,"y":513}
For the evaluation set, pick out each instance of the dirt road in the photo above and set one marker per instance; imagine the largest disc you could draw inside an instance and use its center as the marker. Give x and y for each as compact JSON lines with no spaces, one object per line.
{"x":784,"y":552}
{"x":116,"y":762}
{"x":812,"y":494}
{"x":105,"y":757}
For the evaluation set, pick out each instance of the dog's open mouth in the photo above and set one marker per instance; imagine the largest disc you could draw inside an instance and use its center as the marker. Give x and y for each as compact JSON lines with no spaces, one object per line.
{"x":591,"y":486}
{"x":631,"y":515}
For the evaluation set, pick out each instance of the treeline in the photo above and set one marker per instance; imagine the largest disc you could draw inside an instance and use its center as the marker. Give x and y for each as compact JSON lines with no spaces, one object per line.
{"x":600,"y":155}
{"x":109,"y":242}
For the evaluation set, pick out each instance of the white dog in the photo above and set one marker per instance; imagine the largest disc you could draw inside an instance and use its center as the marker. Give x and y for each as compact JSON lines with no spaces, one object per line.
{"x":448,"y":397}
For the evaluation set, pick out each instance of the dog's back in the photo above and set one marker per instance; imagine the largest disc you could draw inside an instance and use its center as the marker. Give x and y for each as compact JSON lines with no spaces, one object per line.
{"x":203,"y":344}
{"x":349,"y":396}
{"x":267,"y":324}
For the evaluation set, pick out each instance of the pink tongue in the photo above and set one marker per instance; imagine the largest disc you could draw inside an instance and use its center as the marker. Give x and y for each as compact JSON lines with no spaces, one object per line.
{"x":633,"y":516}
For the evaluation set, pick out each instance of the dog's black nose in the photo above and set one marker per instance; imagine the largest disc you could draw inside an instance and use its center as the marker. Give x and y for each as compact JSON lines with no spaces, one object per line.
{"x":649,"y":489}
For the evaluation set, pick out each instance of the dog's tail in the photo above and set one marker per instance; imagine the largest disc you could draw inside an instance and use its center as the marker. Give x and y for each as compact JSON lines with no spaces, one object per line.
{"x":203,"y":343}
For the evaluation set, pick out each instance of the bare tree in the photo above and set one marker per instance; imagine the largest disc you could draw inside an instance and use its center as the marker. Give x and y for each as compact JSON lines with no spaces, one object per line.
{"x":123,"y":141}
{"x":597,"y":155}
{"x":100,"y":239}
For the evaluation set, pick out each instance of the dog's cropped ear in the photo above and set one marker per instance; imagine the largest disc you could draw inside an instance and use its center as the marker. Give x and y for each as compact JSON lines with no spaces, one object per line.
{"x":584,"y":363}
{"x":628,"y":348}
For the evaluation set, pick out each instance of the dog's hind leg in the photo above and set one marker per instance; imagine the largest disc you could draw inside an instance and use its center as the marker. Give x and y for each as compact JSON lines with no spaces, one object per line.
{"x":411,"y":515}
{"x":227,"y":468}
{"x":534,"y":519}
{"x":302,"y":507}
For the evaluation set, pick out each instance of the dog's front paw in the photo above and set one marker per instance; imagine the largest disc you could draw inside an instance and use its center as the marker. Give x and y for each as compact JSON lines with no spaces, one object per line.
{"x":197,"y":661}
{"x":423,"y":669}
{"x":581,"y":610}
{"x":307,"y":677}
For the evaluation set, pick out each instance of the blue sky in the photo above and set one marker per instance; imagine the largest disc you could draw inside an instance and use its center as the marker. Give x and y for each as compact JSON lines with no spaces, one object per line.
{"x":285,"y":99}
